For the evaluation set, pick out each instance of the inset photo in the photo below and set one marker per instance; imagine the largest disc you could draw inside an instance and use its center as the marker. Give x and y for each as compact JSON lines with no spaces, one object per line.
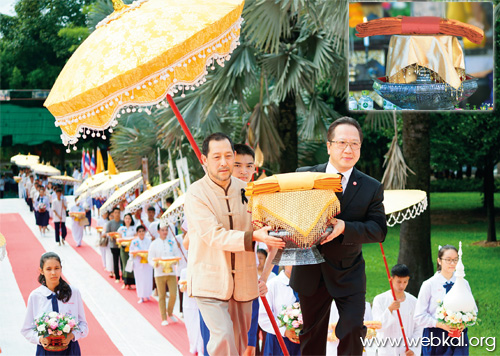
{"x":424,"y":56}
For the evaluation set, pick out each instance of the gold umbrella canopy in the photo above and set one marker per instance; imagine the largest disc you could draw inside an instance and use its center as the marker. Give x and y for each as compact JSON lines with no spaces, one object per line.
{"x":151,"y":195}
{"x":175,"y":211}
{"x":64,"y":180}
{"x":23,"y":161}
{"x":45,"y":170}
{"x":92,"y":181}
{"x":115,"y":181}
{"x":136,"y":56}
{"x":118,"y":195}
{"x":404,"y":204}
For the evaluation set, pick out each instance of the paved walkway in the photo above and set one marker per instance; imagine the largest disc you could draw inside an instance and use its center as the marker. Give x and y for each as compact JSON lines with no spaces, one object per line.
{"x":118,"y":325}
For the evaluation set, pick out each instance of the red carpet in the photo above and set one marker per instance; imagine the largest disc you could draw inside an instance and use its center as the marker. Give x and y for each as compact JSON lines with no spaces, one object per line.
{"x":24,"y":251}
{"x":175,"y":333}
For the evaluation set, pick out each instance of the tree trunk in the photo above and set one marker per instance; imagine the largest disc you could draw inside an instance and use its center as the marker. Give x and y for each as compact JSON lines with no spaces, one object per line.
{"x":415,"y":235}
{"x":287,"y":128}
{"x":489,"y":203}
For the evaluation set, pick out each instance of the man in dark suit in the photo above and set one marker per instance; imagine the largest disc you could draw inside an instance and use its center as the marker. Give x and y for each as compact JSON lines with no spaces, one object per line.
{"x":342,"y":276}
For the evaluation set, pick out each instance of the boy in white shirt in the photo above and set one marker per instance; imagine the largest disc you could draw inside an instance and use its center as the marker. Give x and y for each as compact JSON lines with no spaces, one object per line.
{"x":385,"y":310}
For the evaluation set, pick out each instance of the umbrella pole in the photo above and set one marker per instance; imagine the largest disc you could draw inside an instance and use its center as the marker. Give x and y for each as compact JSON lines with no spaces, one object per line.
{"x":275,"y":326}
{"x":394,"y":295}
{"x":194,"y":145}
{"x":186,"y":130}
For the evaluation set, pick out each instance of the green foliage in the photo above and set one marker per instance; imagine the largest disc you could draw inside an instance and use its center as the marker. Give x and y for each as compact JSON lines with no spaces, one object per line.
{"x":460,"y":185}
{"x":33,"y":42}
{"x":16,"y":79}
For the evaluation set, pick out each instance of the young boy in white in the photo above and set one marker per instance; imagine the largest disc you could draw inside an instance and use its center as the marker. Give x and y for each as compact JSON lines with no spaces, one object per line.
{"x":385,"y":310}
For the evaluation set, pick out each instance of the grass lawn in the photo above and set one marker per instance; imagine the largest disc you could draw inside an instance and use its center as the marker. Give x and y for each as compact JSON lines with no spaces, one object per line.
{"x":455,"y":217}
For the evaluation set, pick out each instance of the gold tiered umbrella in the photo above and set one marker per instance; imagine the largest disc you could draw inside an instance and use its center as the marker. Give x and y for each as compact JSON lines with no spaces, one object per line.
{"x":114,"y":181}
{"x":152,"y":194}
{"x":45,"y":169}
{"x":138,"y":55}
{"x":65,"y":179}
{"x":92,"y":181}
{"x":118,"y":195}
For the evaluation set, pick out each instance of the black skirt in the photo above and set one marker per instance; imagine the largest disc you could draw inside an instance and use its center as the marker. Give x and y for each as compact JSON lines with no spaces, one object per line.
{"x":42,"y":219}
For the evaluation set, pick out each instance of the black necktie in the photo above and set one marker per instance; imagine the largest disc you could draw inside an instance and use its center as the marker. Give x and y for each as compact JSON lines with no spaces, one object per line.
{"x":448,"y":286}
{"x":55,"y":306}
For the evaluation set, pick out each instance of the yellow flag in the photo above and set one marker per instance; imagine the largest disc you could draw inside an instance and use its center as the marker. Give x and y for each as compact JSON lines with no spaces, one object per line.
{"x":100,"y":163}
{"x":111,"y":165}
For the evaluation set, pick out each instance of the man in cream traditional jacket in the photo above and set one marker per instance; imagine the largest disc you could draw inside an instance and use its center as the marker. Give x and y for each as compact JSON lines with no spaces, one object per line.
{"x":222,"y":272}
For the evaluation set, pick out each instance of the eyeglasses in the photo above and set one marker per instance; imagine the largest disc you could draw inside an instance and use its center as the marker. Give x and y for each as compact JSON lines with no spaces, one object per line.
{"x":342,"y":145}
{"x":449,"y":260}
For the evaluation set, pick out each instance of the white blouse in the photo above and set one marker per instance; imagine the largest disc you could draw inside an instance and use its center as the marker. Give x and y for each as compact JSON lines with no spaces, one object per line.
{"x":127,"y":231}
{"x":39,"y":304}
{"x":431,"y":292}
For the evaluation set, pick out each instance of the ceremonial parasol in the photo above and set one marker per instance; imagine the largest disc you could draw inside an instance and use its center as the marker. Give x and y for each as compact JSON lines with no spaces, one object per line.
{"x":153,"y":194}
{"x":92,"y":181}
{"x":401,"y":205}
{"x":114,"y":182}
{"x":176,"y":210}
{"x":138,"y":55}
{"x":23,"y":161}
{"x":45,"y":170}
{"x":117,"y":196}
{"x":65,"y":179}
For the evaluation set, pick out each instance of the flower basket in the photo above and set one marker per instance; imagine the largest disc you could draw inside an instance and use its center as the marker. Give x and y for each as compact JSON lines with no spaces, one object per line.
{"x":291,"y":317}
{"x":55,"y":343}
{"x":458,"y":320}
{"x":454,"y":333}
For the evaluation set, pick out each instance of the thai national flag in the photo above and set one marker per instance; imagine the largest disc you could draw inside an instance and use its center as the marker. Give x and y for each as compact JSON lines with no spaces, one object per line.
{"x":82,"y":170}
{"x":87,"y":164}
{"x":92,"y":164}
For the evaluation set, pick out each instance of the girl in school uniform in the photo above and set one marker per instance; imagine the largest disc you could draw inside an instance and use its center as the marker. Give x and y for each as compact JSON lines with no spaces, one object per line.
{"x":42,"y":209}
{"x":433,"y":290}
{"x":54,"y":294}
{"x":128,"y":230}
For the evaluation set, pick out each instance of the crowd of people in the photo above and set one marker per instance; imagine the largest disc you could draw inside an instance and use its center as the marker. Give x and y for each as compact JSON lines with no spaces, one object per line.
{"x":222,"y":264}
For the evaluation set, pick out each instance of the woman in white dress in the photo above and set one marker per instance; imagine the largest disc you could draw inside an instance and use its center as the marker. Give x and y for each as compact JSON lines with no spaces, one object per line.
{"x":56,"y":295}
{"x":106,"y":255}
{"x":143,"y":272}
{"x":76,"y":228}
{"x":127,"y":230}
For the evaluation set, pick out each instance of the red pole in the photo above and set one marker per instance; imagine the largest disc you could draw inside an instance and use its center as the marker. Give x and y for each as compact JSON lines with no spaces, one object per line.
{"x":186,"y":130}
{"x":275,"y":326}
{"x":194,"y":145}
{"x":394,"y":295}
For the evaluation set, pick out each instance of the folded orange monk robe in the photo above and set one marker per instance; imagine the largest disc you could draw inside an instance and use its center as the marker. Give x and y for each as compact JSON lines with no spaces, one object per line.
{"x":426,"y":25}
{"x":298,"y":181}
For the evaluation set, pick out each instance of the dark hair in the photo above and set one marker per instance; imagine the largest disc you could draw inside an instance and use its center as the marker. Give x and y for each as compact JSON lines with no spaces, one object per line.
{"x":58,"y":190}
{"x":242,"y":149}
{"x":441,"y":252}
{"x":131,"y":218}
{"x":264,"y":252}
{"x":140,"y":227}
{"x":170,"y":200}
{"x":218,"y":136}
{"x":400,"y":270}
{"x":152,"y":208}
{"x":342,"y":121}
{"x":63,"y":290}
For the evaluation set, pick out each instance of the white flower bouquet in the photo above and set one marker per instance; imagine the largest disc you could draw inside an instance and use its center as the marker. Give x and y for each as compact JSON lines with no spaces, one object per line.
{"x":55,"y":327}
{"x":291,"y":317}
{"x":42,"y":208}
{"x":458,"y":320}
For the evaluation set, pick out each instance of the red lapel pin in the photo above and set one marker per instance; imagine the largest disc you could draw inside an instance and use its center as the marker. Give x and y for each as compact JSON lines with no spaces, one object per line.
{"x":354,"y":183}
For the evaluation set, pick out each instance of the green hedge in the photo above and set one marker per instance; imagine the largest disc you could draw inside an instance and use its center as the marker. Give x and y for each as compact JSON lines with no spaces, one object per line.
{"x":460,"y":185}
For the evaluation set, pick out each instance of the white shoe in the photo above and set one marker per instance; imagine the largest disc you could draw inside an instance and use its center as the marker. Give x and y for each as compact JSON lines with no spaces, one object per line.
{"x":174,"y":319}
{"x":164,"y":322}
{"x":140,"y":301}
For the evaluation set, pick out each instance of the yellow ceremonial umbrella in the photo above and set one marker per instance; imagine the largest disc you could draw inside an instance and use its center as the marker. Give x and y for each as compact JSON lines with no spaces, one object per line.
{"x":138,"y":55}
{"x":153,"y":194}
{"x":23,"y":161}
{"x":176,"y":210}
{"x":114,"y":181}
{"x":45,"y":169}
{"x":92,"y":181}
{"x":65,"y":179}
{"x":118,"y":195}
{"x":403,"y":204}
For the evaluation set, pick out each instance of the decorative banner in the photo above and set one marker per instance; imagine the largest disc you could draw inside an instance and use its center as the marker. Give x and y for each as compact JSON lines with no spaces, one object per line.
{"x":183,"y":172}
{"x":145,"y":171}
